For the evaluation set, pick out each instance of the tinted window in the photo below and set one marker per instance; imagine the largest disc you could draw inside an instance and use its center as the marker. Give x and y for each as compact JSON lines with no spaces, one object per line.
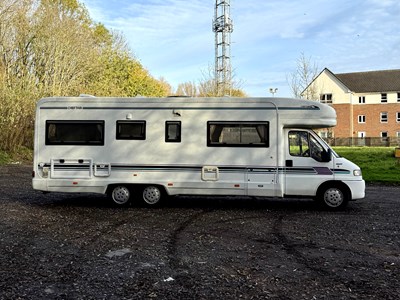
{"x":173,"y":131}
{"x":90,"y":133}
{"x":131,"y":130}
{"x":237,"y":134}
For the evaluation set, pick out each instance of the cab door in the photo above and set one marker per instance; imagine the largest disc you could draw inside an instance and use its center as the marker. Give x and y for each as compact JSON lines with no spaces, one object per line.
{"x":308,"y":162}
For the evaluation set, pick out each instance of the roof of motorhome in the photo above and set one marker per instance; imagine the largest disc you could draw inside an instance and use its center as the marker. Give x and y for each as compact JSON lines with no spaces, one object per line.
{"x":274,"y":102}
{"x":296,"y":112}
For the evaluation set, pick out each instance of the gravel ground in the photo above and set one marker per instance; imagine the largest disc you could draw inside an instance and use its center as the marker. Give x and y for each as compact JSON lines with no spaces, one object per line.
{"x":69,"y":246}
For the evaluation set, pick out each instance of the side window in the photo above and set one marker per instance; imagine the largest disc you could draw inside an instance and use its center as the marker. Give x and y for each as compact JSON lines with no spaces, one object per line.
{"x":131,"y":130}
{"x":173,"y":131}
{"x":75,"y":133}
{"x":301,"y":143}
{"x":237,"y":134}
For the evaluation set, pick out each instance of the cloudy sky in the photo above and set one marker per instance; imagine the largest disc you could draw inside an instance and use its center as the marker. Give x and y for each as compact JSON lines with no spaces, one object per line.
{"x":174,"y":39}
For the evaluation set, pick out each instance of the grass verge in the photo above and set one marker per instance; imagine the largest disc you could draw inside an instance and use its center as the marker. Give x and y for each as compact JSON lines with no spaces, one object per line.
{"x":22,"y":156}
{"x":378,"y":164}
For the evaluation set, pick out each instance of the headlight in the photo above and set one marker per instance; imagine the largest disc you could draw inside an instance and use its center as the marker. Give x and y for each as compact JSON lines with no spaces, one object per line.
{"x":357,"y":173}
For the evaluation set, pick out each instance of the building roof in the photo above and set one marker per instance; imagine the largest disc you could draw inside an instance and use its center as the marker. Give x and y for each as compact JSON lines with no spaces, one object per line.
{"x":372,"y":81}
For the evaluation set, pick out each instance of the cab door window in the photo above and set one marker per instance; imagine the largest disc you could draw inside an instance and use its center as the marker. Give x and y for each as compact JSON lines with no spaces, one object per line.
{"x":303,"y":144}
{"x":299,"y":143}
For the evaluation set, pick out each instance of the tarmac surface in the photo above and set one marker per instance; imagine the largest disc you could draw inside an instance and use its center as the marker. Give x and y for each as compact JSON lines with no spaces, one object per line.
{"x":76,"y":246}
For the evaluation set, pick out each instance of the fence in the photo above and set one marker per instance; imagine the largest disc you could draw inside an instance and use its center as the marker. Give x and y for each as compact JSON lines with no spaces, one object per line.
{"x":364,"y":142}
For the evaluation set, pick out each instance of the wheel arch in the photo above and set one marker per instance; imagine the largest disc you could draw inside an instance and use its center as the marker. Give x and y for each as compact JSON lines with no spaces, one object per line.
{"x":111,"y":186}
{"x":135,"y":186}
{"x":334,"y":183}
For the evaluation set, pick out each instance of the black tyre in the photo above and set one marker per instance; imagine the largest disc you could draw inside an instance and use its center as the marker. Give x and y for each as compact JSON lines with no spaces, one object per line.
{"x":120,"y":195}
{"x":152,"y":195}
{"x":334,"y":196}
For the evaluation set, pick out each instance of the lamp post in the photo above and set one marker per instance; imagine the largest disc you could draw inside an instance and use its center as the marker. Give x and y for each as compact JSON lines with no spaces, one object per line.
{"x":273,"y":91}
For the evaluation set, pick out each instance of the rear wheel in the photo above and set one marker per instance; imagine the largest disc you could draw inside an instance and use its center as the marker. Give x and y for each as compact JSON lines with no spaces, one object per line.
{"x":333,"y":197}
{"x":152,"y":195}
{"x":120,"y":195}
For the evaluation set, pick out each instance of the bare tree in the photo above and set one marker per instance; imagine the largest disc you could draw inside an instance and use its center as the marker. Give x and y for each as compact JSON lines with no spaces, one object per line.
{"x":187,"y":89}
{"x":300,"y":81}
{"x":207,"y":87}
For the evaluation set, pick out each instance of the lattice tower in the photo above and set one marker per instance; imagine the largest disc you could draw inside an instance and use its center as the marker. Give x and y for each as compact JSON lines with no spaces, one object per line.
{"x":223,"y":27}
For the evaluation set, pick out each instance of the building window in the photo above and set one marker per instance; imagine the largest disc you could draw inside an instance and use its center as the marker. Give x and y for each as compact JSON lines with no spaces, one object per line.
{"x":173,"y":131}
{"x":326,"y":98}
{"x":361,"y":119}
{"x":398,"y":134}
{"x":383,"y":98}
{"x":398,"y":117}
{"x":398,"y":96}
{"x":75,"y":133}
{"x":384,"y":136}
{"x":361,"y":99}
{"x":237,"y":134}
{"x":131,"y":130}
{"x":384,"y":117}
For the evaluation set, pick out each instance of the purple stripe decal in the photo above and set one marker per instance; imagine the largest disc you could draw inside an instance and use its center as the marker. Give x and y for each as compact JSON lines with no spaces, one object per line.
{"x":323,"y":171}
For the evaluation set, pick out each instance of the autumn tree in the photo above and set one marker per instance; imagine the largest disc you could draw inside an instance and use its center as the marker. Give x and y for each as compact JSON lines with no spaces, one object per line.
{"x":120,"y":74}
{"x":53,"y":48}
{"x":16,"y":80}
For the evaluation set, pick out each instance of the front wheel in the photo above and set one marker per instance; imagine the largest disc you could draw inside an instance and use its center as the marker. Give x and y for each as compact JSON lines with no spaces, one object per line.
{"x":334,"y":197}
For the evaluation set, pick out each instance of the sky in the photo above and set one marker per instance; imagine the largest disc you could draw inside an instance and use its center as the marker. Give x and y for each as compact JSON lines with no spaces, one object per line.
{"x":173,"y":39}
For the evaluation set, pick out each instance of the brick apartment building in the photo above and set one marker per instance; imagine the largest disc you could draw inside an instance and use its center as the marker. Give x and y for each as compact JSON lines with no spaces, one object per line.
{"x":367,"y":103}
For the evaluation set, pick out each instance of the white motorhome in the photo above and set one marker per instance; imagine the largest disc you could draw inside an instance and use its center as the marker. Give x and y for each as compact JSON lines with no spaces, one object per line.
{"x":150,"y":148}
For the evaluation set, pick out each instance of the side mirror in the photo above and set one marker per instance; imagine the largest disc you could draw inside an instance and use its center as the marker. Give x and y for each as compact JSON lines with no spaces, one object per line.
{"x":326,"y":156}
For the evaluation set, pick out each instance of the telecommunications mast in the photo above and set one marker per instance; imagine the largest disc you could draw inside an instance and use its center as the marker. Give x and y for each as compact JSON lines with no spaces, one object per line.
{"x":223,"y":27}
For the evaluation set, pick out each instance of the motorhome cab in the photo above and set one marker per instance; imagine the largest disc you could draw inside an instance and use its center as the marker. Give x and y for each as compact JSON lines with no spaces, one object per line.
{"x":150,"y":148}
